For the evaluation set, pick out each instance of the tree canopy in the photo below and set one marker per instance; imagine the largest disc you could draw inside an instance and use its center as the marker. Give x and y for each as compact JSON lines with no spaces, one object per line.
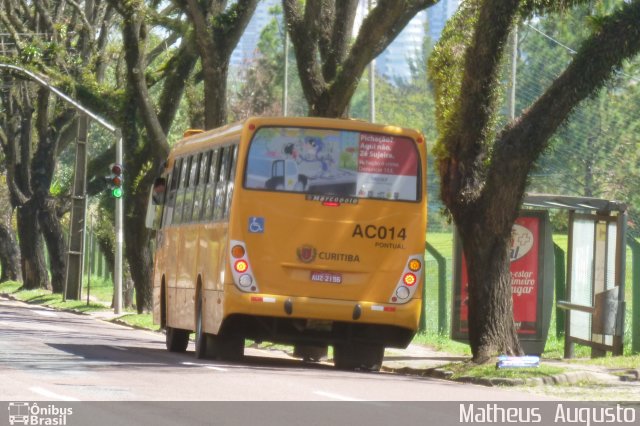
{"x":484,"y":168}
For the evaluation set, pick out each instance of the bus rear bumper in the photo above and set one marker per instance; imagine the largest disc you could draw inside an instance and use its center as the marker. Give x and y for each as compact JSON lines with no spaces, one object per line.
{"x":327,"y":320}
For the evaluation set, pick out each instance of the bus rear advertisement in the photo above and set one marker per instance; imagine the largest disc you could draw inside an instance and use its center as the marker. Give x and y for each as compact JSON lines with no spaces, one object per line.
{"x":301,"y":231}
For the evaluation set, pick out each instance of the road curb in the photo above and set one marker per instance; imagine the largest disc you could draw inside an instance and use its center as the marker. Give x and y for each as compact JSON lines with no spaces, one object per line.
{"x":571,"y":377}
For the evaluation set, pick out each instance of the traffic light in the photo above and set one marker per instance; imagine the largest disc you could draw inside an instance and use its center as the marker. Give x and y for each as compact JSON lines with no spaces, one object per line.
{"x":115,"y":180}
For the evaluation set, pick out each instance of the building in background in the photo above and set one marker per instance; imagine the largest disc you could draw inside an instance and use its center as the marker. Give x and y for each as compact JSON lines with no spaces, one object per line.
{"x":437,"y":16}
{"x":245,"y":51}
{"x":394,"y":63}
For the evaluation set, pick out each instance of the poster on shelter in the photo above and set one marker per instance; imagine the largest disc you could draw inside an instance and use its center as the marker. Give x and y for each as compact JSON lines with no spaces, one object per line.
{"x":525,"y":267}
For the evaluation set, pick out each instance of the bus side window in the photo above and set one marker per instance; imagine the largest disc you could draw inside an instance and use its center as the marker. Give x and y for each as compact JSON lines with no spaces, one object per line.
{"x":171,"y":195}
{"x":200,"y":183}
{"x":221,"y":187}
{"x":210,"y":191}
{"x":182,"y":186}
{"x":192,"y":180}
{"x":232,"y":173}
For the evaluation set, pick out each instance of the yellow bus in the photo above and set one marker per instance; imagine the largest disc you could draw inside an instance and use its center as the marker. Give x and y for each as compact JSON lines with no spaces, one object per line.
{"x":301,"y":231}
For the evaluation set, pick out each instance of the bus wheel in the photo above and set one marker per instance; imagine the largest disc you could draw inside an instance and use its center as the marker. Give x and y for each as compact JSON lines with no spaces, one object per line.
{"x":310,"y":353}
{"x":177,"y":339}
{"x":229,"y":348}
{"x":358,"y":356}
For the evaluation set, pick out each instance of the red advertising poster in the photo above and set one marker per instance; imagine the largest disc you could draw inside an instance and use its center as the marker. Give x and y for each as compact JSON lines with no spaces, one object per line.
{"x":525,"y":247}
{"x":386,"y":155}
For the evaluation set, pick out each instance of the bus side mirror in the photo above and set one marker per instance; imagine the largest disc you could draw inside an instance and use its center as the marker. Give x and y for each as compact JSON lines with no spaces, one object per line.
{"x":159,"y":187}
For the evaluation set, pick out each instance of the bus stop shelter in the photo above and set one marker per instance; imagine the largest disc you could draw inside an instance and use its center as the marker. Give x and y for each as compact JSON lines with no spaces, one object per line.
{"x":594,"y":299}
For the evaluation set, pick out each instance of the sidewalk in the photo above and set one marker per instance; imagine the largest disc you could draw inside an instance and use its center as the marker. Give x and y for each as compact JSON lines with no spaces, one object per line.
{"x":417,"y":360}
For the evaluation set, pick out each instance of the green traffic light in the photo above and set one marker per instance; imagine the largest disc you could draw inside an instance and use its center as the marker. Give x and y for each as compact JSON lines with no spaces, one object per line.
{"x":116,"y":192}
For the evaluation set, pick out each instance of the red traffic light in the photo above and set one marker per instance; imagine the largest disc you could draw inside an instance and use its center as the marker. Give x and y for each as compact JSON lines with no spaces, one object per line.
{"x":116,"y":169}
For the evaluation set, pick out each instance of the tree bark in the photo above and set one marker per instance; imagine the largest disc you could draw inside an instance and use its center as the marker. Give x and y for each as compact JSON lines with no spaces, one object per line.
{"x":9,"y":255}
{"x":56,"y":245}
{"x":217,"y":32}
{"x":34,"y":272}
{"x":491,"y":326}
{"x":329,"y":71}
{"x":138,"y":254}
{"x":42,"y":170}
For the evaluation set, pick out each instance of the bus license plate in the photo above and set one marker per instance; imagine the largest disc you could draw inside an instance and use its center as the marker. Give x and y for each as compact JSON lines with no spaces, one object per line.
{"x":326,"y":277}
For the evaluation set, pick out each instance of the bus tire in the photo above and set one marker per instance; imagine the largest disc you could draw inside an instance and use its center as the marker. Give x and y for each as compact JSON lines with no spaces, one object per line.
{"x":229,"y":348}
{"x":310,"y":353}
{"x":358,"y":356}
{"x":176,"y":339}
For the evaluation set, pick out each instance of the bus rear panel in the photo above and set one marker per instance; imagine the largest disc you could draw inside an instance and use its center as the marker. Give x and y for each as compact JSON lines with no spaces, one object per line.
{"x":330,"y":224}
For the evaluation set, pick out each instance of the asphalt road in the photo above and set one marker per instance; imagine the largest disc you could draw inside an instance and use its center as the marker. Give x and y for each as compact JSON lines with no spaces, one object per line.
{"x":61,"y":357}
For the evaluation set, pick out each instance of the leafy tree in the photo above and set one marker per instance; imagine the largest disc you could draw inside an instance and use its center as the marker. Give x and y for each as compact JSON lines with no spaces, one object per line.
{"x":37,"y":127}
{"x":594,"y":152}
{"x":261,"y":89}
{"x":9,"y":250}
{"x":330,"y":66}
{"x":145,"y":120}
{"x":484,"y":169}
{"x":217,"y":30}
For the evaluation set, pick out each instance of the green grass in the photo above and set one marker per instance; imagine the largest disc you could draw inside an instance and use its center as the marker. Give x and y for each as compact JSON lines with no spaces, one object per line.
{"x":10,"y":287}
{"x":468,"y":369}
{"x":144,"y":321}
{"x":442,"y":343}
{"x":609,"y":361}
{"x":98,"y":288}
{"x":46,"y":298}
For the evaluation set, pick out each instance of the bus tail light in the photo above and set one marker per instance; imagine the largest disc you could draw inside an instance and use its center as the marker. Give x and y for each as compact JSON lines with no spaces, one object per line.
{"x":241,"y":268}
{"x":237,"y":251}
{"x":409,"y":280}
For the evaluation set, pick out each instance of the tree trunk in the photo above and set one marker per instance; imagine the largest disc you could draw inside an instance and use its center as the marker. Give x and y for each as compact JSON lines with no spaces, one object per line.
{"x":138,"y":253}
{"x":56,"y":244}
{"x":492,"y":330}
{"x":34,"y":271}
{"x":215,"y":93}
{"x":9,"y":255}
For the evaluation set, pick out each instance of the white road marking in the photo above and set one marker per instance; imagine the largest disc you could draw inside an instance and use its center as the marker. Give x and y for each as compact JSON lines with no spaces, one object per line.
{"x":53,"y":395}
{"x":336,"y":396}
{"x":207,"y":366}
{"x":45,"y":313}
{"x":117,"y":347}
{"x":211,"y":367}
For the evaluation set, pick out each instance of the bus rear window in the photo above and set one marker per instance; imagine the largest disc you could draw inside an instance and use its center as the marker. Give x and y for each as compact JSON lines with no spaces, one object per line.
{"x":334,"y":162}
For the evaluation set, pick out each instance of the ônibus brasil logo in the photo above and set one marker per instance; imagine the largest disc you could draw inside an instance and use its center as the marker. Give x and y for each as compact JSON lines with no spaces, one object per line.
{"x":26,"y":413}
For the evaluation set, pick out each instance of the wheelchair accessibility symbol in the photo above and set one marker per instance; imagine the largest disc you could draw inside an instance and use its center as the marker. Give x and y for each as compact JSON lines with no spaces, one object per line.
{"x":256,"y":225}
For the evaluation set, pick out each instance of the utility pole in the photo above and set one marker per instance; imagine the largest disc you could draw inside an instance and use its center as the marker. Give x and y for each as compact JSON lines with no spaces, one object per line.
{"x":285,"y":91}
{"x":372,"y":84}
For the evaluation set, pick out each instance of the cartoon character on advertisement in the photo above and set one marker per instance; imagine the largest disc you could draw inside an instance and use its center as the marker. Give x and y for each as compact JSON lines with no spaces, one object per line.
{"x":312,"y":150}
